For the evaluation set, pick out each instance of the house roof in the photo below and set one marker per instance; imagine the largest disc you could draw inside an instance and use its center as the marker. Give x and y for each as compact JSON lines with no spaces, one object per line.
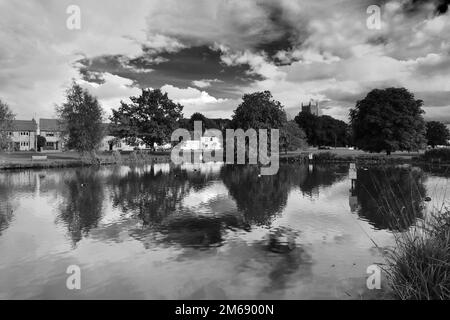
{"x":49,"y":125}
{"x":23,"y":125}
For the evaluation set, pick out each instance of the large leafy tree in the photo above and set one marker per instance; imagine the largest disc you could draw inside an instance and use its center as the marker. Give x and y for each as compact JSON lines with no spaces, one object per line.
{"x":150,"y":117}
{"x":323,"y":130}
{"x":6,"y":118}
{"x":388,"y":120}
{"x":81,"y":117}
{"x":310,"y":124}
{"x":292,"y":137}
{"x":206,"y":122}
{"x":437,"y":133}
{"x":259,"y":111}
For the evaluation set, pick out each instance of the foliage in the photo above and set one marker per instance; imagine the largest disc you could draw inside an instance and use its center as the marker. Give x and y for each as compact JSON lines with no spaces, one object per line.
{"x":81,"y":116}
{"x":259,"y":111}
{"x":323,"y":130}
{"x":206,"y":122}
{"x":292,"y":137}
{"x":437,"y":133}
{"x":418,"y":267}
{"x":150,"y":117}
{"x":41,"y":142}
{"x":388,"y":120}
{"x":6,"y":118}
{"x":390,"y":197}
{"x":442,"y":154}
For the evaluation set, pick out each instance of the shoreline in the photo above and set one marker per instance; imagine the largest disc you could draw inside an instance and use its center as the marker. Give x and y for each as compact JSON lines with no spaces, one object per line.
{"x":103,"y":160}
{"x":70,"y":159}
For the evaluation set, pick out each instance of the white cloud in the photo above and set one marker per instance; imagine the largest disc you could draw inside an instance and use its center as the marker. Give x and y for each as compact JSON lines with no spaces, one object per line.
{"x":195,"y":100}
{"x":335,"y":49}
{"x":204,"y":83}
{"x":111,"y":91}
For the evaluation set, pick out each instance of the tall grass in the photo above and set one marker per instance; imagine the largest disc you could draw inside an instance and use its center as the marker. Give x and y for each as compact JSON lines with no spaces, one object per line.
{"x":419,"y":266}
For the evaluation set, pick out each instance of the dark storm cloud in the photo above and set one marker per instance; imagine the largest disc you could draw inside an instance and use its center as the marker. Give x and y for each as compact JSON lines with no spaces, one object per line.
{"x":415,"y":6}
{"x":283,"y":36}
{"x":179,"y":69}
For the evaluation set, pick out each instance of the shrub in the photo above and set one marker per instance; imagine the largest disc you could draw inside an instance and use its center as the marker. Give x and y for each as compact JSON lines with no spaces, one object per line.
{"x":419,"y":267}
{"x":324,"y":156}
{"x":443,"y":154}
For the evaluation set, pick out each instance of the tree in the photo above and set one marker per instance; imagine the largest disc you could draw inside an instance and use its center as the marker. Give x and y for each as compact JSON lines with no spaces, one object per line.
{"x":292,"y":137}
{"x":437,"y":133}
{"x":81,"y":116}
{"x":6,"y":118}
{"x":323,"y":130}
{"x":388,"y":120}
{"x":41,"y":141}
{"x":150,"y":117}
{"x":259,"y":111}
{"x":206,"y":122}
{"x":310,"y":124}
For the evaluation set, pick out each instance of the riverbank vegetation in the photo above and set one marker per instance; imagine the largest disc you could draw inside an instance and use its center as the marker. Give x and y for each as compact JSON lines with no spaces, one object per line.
{"x":419,"y":266}
{"x":441,"y":155}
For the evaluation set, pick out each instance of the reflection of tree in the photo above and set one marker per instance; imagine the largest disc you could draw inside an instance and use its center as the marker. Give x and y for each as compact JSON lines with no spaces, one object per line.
{"x":5,"y":205}
{"x":437,"y":170}
{"x":390,"y":197}
{"x":310,"y":180}
{"x":190,"y":230}
{"x":156,"y":197}
{"x":81,"y":209}
{"x":12,"y":186}
{"x":258,"y":197}
{"x":150,"y":196}
{"x":6,"y":212}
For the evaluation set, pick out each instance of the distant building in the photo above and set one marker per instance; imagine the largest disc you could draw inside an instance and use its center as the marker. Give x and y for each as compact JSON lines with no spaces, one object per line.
{"x":51,"y":130}
{"x":312,"y":107}
{"x":112,"y":143}
{"x":206,"y":142}
{"x":23,"y":135}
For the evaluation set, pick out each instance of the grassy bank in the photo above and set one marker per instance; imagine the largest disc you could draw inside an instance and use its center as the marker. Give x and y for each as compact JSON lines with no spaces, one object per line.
{"x":23,"y":160}
{"x":419,"y":267}
{"x":347,"y":156}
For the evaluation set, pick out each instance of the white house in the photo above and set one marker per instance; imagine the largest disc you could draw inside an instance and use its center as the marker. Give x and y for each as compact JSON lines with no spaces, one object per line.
{"x":23,"y":135}
{"x":112,"y":143}
{"x":51,"y":130}
{"x":206,"y":142}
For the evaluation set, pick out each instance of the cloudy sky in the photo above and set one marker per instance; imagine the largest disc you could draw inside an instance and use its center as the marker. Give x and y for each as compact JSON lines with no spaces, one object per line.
{"x":207,"y":53}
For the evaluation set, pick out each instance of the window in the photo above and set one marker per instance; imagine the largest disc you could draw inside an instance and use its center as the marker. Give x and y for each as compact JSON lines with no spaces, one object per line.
{"x":24,"y":133}
{"x":49,"y":134}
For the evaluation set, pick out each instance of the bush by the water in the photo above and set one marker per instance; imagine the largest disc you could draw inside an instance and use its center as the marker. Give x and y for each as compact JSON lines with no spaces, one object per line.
{"x":419,"y":268}
{"x":441,"y":154}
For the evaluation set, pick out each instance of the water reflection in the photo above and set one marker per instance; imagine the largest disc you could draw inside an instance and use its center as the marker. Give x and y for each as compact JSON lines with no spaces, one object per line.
{"x":148,"y":194}
{"x":259,"y":198}
{"x":291,"y":235}
{"x":82,"y":208}
{"x":389,"y":197}
{"x":314,"y":177}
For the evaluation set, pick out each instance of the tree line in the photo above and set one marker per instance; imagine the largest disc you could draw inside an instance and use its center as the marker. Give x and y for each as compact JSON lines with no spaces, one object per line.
{"x":386,"y":120}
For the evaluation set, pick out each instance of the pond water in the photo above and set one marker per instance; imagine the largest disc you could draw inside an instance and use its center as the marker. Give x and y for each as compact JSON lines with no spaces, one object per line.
{"x":206,"y":231}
